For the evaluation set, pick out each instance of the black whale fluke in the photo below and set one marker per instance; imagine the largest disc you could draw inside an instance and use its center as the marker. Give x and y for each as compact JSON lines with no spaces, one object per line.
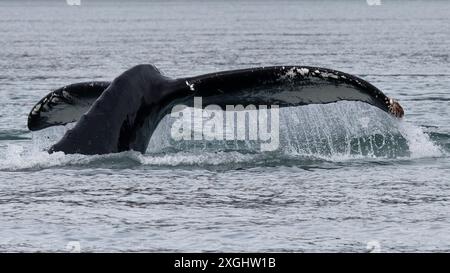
{"x":65,"y":105}
{"x":121,"y":115}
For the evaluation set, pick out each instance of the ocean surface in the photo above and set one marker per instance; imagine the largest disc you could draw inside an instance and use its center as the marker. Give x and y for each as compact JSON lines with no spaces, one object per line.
{"x":347,"y":177}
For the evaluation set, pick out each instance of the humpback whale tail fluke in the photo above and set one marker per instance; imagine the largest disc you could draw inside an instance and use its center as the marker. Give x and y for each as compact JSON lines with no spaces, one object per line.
{"x":122,"y":115}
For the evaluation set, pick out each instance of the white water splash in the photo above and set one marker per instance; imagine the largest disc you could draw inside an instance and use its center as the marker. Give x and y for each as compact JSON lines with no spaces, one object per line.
{"x":419,"y":143}
{"x":16,"y":157}
{"x":325,"y":132}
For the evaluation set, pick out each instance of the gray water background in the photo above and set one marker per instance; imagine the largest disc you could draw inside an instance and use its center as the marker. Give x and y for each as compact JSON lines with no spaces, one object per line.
{"x":346,"y":174}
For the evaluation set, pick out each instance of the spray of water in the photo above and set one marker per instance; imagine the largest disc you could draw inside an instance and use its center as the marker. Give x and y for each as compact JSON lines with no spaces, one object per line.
{"x":334,"y":132}
{"x":338,"y":131}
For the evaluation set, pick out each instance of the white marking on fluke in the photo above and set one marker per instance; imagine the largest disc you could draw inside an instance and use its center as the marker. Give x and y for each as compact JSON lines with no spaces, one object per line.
{"x":303,"y":71}
{"x":191,"y":86}
{"x":36,"y":109}
{"x":294,"y":71}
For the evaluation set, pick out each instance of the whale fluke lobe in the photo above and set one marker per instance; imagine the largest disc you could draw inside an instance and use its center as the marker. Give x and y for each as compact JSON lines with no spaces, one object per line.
{"x":121,"y":115}
{"x":65,"y":105}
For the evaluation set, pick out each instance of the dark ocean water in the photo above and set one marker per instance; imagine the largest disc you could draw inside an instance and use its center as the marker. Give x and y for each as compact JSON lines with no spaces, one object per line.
{"x":346,"y":174}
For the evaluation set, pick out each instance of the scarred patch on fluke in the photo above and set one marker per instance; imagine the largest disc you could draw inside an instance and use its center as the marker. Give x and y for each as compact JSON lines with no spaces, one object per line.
{"x":395,"y":108}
